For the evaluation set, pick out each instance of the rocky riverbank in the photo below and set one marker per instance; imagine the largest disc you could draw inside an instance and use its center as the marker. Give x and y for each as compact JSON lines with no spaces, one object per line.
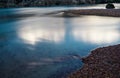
{"x":101,"y":63}
{"x":98,"y":12}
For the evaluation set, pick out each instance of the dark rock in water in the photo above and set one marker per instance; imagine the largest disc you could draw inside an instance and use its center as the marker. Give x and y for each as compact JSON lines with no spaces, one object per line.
{"x":110,"y":6}
{"x":101,"y":63}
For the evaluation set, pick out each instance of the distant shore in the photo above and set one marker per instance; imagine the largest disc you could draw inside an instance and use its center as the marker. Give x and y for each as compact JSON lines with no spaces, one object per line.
{"x":101,"y":63}
{"x":98,"y":12}
{"x":71,"y":13}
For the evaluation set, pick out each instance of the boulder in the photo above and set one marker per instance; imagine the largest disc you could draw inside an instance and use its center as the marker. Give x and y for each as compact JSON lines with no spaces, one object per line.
{"x":110,"y":6}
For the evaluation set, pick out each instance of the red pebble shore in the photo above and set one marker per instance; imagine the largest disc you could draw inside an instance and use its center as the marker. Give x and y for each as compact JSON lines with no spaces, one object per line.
{"x":101,"y":63}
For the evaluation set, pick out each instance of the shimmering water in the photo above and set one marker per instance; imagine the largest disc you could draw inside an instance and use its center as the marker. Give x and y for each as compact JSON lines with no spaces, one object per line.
{"x":35,"y":46}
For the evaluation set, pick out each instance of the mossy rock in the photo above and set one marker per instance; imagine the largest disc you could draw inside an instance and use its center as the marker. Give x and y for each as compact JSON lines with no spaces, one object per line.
{"x":110,"y":6}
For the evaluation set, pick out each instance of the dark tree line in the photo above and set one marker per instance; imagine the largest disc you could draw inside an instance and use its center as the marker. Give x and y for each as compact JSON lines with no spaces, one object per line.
{"x":24,"y":3}
{"x":107,"y":1}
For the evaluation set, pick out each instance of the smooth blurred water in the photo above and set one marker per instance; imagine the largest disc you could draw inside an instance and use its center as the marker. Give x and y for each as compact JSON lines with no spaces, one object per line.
{"x":35,"y":46}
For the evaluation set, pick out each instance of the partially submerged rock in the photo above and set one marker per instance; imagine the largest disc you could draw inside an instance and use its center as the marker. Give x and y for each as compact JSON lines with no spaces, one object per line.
{"x":110,"y":6}
{"x":69,"y":14}
{"x":101,"y":63}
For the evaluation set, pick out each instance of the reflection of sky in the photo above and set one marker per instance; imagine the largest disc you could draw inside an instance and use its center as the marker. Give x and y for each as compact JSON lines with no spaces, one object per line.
{"x":91,"y":29}
{"x":41,"y":46}
{"x":97,"y":30}
{"x":41,"y":30}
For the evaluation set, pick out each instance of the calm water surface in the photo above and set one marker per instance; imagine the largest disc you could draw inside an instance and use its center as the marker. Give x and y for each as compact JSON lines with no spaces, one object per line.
{"x":35,"y":46}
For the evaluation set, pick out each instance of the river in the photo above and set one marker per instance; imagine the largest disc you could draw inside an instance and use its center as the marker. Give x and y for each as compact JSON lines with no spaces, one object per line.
{"x":35,"y":46}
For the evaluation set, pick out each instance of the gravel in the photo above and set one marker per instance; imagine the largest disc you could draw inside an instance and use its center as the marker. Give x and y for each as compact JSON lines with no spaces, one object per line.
{"x":101,"y":63}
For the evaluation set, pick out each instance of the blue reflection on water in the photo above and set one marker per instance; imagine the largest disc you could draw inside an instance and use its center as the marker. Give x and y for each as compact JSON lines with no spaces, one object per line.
{"x":51,"y":47}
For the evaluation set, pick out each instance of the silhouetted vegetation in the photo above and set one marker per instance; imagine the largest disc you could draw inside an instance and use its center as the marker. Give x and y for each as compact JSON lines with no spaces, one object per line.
{"x":32,"y":3}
